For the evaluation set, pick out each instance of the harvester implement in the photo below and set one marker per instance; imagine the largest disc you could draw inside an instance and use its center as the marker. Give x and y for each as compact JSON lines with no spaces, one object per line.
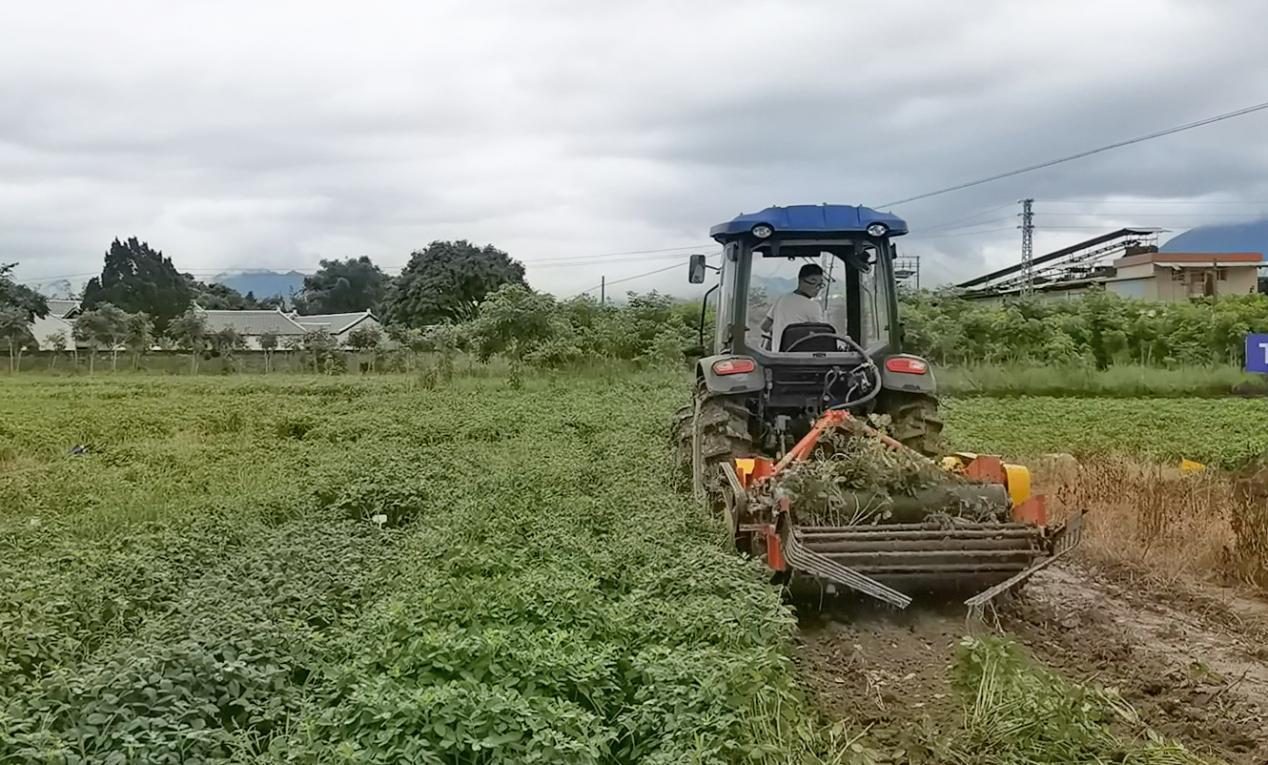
{"x":891,"y":560}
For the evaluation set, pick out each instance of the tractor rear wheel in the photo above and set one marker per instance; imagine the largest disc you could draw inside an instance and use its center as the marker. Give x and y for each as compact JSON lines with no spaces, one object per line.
{"x":711,"y":431}
{"x":914,"y":421}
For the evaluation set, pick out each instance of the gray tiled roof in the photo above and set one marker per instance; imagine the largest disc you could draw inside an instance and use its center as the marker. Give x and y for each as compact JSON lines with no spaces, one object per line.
{"x":334,"y":323}
{"x":51,"y":325}
{"x":59,"y":308}
{"x":253,"y":322}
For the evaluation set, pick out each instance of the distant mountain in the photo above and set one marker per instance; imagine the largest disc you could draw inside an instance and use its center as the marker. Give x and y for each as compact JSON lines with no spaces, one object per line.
{"x":775,"y":285}
{"x":263,"y":283}
{"x":60,"y":289}
{"x":1229,"y":237}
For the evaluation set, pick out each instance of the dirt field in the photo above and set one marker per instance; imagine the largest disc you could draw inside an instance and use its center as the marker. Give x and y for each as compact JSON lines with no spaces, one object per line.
{"x":1192,"y":660}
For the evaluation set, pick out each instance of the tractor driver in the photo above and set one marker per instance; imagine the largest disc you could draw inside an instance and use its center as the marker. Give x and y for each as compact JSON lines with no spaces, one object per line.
{"x":799,"y":307}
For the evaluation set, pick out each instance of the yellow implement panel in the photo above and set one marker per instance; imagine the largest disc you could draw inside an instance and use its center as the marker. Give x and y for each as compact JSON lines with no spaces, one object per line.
{"x":1018,"y":483}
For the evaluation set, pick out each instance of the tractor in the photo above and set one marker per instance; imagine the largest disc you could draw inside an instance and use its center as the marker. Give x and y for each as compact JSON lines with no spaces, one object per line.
{"x":808,"y":341}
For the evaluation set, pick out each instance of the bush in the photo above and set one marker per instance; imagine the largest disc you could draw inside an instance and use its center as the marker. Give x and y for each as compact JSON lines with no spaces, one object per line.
{"x":1098,"y":331}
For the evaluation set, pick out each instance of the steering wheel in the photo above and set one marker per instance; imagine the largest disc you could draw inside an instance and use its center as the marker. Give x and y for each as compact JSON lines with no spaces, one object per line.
{"x":849,"y":342}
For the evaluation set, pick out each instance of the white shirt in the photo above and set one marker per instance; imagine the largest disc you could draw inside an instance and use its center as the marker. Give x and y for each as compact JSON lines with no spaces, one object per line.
{"x":793,"y":308}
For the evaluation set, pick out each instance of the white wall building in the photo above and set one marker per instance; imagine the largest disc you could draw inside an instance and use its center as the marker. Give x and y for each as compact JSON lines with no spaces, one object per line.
{"x":253,"y":325}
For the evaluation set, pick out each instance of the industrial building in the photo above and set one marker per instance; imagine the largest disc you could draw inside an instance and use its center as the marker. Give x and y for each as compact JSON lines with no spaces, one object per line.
{"x":1127,"y":262}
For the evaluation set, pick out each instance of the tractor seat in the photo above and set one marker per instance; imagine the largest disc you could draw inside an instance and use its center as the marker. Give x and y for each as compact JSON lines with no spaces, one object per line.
{"x":794,"y":332}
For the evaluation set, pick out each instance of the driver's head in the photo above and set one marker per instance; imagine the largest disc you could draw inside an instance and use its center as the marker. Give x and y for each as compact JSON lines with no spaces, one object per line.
{"x":810,"y":280}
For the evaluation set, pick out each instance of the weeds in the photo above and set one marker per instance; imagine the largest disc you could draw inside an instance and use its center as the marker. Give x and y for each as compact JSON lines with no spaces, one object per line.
{"x":1250,"y":526}
{"x":1156,"y":519}
{"x":1018,"y":713}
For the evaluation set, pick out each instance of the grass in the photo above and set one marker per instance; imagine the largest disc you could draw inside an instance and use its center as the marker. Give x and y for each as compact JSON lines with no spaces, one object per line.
{"x":374,"y":569}
{"x":1230,"y":432}
{"x":1119,"y":381}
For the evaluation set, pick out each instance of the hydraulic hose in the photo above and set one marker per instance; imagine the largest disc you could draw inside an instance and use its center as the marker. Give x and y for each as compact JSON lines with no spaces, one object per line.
{"x":868,"y":366}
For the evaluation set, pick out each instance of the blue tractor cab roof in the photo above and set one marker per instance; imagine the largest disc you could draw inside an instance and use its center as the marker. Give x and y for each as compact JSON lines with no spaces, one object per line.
{"x":809,"y":219}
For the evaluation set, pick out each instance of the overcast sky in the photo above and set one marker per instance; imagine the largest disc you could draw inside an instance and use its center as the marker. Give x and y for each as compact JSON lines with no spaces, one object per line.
{"x":274,"y":134}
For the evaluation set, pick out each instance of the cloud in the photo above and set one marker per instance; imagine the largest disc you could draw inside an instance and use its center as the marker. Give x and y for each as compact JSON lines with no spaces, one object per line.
{"x":275,"y":134}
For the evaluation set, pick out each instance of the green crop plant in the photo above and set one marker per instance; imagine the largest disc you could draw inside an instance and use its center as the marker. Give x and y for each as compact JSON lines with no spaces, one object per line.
{"x":311,"y":570}
{"x":1225,"y":432}
{"x":318,"y":570}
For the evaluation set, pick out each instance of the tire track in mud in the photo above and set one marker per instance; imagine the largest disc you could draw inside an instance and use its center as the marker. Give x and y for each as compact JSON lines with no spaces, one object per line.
{"x":1193,"y":660}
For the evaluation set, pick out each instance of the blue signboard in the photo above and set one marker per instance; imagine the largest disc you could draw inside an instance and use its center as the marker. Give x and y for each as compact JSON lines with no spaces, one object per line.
{"x":1257,"y":353}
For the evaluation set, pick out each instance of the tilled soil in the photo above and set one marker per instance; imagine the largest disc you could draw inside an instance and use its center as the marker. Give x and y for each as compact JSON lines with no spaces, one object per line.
{"x":1192,"y":660}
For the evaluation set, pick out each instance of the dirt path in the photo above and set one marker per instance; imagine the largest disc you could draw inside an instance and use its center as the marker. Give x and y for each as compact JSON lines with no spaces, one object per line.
{"x":1193,"y":661}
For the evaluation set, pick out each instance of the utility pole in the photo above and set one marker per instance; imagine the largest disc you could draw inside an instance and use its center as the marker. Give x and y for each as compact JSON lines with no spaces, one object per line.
{"x":1027,"y":245}
{"x":603,"y":291}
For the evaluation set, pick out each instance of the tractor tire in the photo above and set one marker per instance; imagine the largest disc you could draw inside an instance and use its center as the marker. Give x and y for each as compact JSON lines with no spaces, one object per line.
{"x":914,"y":421}
{"x":711,"y":431}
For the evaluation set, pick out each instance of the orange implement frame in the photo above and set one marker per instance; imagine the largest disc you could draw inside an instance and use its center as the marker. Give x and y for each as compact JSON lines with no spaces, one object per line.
{"x":783,"y":554}
{"x":984,"y":468}
{"x":830,"y":419}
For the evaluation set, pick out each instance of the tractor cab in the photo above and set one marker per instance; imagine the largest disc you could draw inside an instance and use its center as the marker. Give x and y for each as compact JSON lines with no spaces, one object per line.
{"x":763,"y":254}
{"x":807,"y":313}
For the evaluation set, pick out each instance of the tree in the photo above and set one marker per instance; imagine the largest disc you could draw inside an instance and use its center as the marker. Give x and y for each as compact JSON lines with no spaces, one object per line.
{"x":136,"y":278}
{"x":321,"y":347}
{"x":189,"y":331}
{"x":445,"y":340}
{"x":447,"y":282}
{"x":104,"y":325}
{"x":343,"y":286}
{"x":140,"y":337}
{"x":293,"y":345}
{"x":57,"y":343}
{"x":268,"y":344}
{"x":222,"y":297}
{"x":226,"y":342}
{"x":516,"y":322}
{"x":366,"y":338}
{"x":13,"y":295}
{"x":410,"y":341}
{"x":15,"y":328}
{"x":270,"y":303}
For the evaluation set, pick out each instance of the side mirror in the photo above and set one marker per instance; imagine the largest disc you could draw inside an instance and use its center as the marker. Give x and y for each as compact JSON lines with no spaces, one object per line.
{"x":695,"y":269}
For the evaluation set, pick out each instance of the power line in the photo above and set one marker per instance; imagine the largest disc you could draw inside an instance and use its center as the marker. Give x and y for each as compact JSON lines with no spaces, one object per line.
{"x":583,"y":258}
{"x":1178,"y":203}
{"x":974,"y":228}
{"x":592,"y":261}
{"x":964,"y":219}
{"x":553,"y":262}
{"x":970,"y":233}
{"x":1086,"y":228}
{"x":976,"y":224}
{"x":1082,"y":154}
{"x":1106,"y":213}
{"x":609,"y":283}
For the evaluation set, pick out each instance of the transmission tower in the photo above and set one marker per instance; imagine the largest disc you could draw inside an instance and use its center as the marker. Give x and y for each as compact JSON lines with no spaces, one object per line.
{"x":1027,"y":245}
